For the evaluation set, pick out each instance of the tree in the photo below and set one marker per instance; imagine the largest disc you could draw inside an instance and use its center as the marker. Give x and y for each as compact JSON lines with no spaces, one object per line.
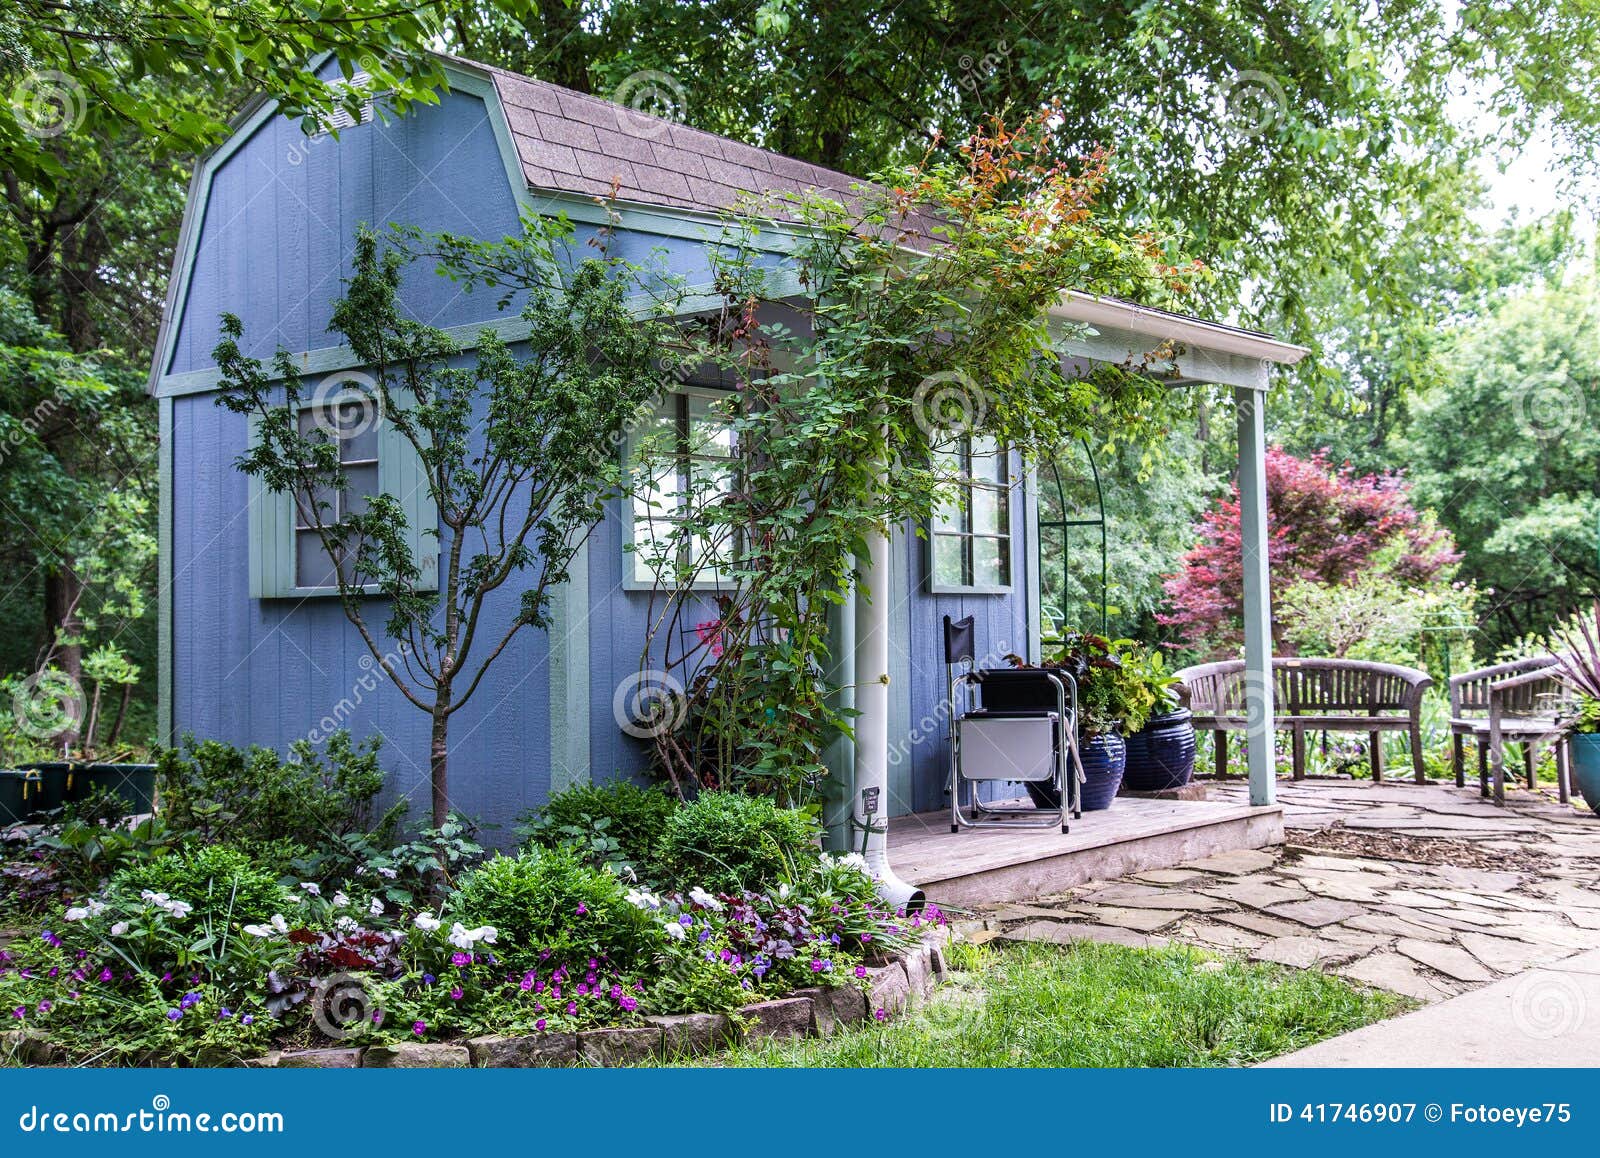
{"x":519,"y":450}
{"x":1505,"y":448}
{"x":1325,"y":525}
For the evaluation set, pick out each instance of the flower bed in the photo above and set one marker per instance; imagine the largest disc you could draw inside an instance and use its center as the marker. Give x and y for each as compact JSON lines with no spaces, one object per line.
{"x":431,"y":953}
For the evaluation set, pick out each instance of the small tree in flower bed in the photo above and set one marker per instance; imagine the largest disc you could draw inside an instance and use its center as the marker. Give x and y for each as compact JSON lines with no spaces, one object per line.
{"x":1326,"y":525}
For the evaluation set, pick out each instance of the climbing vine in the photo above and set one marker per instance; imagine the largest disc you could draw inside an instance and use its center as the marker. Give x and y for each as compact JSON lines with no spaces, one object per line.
{"x":923,"y":320}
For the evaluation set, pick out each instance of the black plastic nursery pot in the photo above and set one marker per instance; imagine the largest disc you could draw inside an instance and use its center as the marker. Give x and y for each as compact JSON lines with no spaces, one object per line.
{"x":1161,"y":755}
{"x":20,"y":792}
{"x":135,"y":783}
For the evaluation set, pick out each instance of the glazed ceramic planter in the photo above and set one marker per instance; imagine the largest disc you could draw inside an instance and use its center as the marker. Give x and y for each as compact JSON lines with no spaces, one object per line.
{"x":1586,"y":766}
{"x":1161,"y":754}
{"x":1105,"y":759}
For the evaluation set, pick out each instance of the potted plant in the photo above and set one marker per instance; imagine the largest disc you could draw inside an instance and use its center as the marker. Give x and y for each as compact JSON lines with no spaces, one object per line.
{"x":1160,"y":754}
{"x":1114,"y":700}
{"x":1578,"y":666}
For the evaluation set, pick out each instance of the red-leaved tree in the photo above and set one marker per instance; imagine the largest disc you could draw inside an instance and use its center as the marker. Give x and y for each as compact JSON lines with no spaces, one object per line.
{"x":1324,"y":524}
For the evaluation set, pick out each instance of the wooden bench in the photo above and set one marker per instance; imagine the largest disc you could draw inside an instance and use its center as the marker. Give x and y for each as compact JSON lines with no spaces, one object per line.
{"x":1311,"y":695}
{"x":1525,"y":702}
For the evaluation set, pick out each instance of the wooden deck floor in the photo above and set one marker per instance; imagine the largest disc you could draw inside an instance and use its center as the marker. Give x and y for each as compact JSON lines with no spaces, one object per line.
{"x":979,"y":866}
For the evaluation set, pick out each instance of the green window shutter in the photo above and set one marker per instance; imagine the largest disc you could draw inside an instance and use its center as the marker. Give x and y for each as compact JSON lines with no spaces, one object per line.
{"x":401,"y":473}
{"x":270,"y":518}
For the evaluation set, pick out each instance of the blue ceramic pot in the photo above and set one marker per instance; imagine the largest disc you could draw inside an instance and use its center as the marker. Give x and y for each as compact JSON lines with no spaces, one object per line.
{"x":1586,"y":766}
{"x":1161,"y":755}
{"x":1105,"y":759}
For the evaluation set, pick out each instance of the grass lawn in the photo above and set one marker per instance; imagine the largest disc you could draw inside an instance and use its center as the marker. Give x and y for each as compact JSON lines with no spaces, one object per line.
{"x":1097,"y":1005}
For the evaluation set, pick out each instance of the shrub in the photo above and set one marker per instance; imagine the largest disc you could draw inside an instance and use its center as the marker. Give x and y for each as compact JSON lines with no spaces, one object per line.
{"x":223,"y":884}
{"x":728,"y":842}
{"x":608,"y":824}
{"x":276,"y":809}
{"x":549,"y":901}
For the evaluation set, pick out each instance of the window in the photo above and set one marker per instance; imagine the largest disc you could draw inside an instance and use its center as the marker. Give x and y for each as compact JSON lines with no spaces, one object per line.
{"x":354,"y":427}
{"x":970,"y":539}
{"x":287,"y":559}
{"x":684,"y":454}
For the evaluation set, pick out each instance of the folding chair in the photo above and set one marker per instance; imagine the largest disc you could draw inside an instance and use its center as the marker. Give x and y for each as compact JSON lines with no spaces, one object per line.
{"x":1019,"y":725}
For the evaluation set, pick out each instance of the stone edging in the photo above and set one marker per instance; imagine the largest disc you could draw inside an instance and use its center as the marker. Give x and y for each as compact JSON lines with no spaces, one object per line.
{"x":815,"y":1012}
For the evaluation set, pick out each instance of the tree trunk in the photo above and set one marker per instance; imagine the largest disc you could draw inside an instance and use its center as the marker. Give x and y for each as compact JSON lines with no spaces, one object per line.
{"x":63,"y":591}
{"x":439,"y":758}
{"x":122,"y":714}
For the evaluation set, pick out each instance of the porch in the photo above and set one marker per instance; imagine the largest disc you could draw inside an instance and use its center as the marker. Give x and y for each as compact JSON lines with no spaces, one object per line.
{"x":983,"y":866}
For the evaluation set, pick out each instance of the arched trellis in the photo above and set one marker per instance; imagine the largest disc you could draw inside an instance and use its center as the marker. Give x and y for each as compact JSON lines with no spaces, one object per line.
{"x":1066,"y":526}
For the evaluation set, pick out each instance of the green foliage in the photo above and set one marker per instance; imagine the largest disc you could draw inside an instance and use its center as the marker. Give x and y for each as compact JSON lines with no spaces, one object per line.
{"x":549,"y":901}
{"x":616,"y":825}
{"x":224,"y":886}
{"x":1122,"y":685}
{"x":1505,"y":449}
{"x":274,"y":808}
{"x":728,"y":842}
{"x":1374,"y":618}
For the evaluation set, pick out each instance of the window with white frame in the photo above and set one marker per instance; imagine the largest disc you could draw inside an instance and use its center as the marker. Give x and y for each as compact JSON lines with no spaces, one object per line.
{"x":684,"y":458}
{"x":970,"y":536}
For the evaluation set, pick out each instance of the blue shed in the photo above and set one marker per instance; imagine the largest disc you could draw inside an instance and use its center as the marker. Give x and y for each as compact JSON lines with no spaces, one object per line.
{"x":254,"y":650}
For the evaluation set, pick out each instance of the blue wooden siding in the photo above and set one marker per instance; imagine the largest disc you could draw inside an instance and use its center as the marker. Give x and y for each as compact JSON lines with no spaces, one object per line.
{"x":271,"y":671}
{"x":283,"y":211}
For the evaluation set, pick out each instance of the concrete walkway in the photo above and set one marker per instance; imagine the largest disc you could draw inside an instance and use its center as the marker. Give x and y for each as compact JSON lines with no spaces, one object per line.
{"x":1545,"y":1017}
{"x":1425,"y":890}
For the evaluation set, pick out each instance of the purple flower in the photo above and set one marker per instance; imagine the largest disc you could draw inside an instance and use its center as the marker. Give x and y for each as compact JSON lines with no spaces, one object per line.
{"x":865,"y":937}
{"x":616,"y":992}
{"x":105,"y":974}
{"x":861,"y":970}
{"x":45,"y":1007}
{"x":582,"y":909}
{"x":572,"y":1008}
{"x":174,"y":1015}
{"x":686,"y":920}
{"x":527,"y":981}
{"x":419,"y":1027}
{"x":817,"y":966}
{"x":460,"y":960}
{"x":189,"y":1000}
{"x":456,"y":993}
{"x":224,"y":1013}
{"x":20,"y":1012}
{"x":55,"y":971}
{"x":247,"y":1019}
{"x":428,"y":979}
{"x":539,"y":1024}
{"x":50,"y":939}
{"x":629,"y":1004}
{"x":881,"y":1013}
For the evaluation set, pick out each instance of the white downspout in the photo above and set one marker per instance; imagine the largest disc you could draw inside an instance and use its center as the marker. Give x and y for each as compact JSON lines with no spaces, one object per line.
{"x":872,"y":601}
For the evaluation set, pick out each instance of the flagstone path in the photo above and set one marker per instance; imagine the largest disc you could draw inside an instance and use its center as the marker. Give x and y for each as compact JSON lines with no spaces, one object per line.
{"x":1424,"y":890}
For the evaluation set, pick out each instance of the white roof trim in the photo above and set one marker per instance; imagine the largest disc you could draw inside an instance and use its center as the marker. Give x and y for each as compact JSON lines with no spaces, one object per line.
{"x":1165,"y":326}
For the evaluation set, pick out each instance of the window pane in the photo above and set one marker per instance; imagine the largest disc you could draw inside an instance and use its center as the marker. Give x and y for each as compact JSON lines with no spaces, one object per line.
{"x":358,"y":433}
{"x":709,"y":431}
{"x":361,"y":483}
{"x":320,"y":504}
{"x":984,"y":453}
{"x":313,"y":566}
{"x":948,"y":570}
{"x":991,"y":566}
{"x":651,"y":537}
{"x":989,"y":511}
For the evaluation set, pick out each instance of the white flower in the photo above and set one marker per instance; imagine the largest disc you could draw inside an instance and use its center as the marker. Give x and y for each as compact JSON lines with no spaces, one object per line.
{"x":180,"y":909}
{"x":387,"y":874}
{"x":310,"y":889}
{"x":376,"y":907}
{"x":120,"y":929}
{"x":346,"y":925}
{"x":75,"y":914}
{"x":674,"y":930}
{"x":340,"y":900}
{"x":853,"y":860}
{"x":262,"y":931}
{"x":704,"y":899}
{"x":427,"y":922}
{"x":640,"y":899}
{"x":279,"y":923}
{"x":159,"y":900}
{"x":464,"y":938}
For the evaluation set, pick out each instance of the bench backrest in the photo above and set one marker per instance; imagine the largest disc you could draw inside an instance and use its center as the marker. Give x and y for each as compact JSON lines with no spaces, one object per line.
{"x":1470,"y":691}
{"x":1308,"y":687}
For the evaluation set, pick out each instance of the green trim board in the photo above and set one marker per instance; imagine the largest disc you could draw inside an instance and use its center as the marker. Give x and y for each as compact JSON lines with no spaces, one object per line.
{"x":164,"y":575}
{"x":568,"y":665}
{"x":1188,"y":364}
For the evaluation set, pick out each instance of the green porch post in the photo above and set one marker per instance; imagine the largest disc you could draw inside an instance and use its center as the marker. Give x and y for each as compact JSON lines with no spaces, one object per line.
{"x":1250,"y":405}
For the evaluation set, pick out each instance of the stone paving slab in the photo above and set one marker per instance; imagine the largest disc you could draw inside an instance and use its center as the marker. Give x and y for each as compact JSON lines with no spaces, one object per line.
{"x":1434,"y":892}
